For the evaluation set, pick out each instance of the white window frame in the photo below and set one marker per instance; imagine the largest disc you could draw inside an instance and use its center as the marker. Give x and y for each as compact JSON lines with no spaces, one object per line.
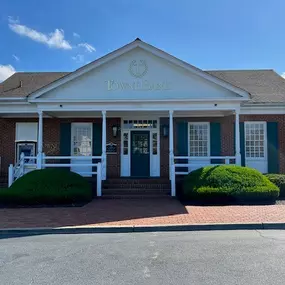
{"x":26,"y":131}
{"x":208,"y":134}
{"x":265,"y":140}
{"x":73,"y":125}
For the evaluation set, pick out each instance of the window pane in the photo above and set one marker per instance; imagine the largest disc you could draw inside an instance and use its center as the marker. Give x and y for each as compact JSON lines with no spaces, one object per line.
{"x":126,"y":143}
{"x":199,"y":136}
{"x":82,"y":141}
{"x":255,"y":140}
{"x":154,"y":143}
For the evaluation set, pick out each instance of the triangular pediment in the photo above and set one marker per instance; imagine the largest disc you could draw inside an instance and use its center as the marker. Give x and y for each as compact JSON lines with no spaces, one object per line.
{"x":138,"y":72}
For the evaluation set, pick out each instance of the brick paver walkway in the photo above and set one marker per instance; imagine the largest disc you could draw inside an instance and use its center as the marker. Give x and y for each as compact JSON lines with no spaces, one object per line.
{"x":138,"y":212}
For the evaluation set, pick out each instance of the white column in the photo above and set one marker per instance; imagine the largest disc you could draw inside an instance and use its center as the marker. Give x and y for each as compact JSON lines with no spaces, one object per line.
{"x":237,"y":138}
{"x":10,"y":175}
{"x":40,"y":140}
{"x":99,"y":180}
{"x":104,"y":141}
{"x":171,"y":144}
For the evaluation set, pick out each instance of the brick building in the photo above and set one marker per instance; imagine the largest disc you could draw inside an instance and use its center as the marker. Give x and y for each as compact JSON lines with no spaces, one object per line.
{"x":140,"y":112}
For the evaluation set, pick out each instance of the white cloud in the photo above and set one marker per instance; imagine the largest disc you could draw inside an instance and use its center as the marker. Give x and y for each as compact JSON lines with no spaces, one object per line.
{"x":16,"y":57}
{"x":283,"y":74}
{"x":76,"y":35}
{"x":6,"y":71}
{"x":87,"y":47}
{"x":53,"y":40}
{"x":79,"y":58}
{"x":13,"y":20}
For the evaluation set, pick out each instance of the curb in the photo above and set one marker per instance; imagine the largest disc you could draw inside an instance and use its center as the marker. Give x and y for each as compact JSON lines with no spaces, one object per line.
{"x":132,"y":229}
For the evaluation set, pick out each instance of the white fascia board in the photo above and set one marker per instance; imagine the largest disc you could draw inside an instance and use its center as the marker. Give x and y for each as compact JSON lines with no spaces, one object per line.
{"x":152,"y":50}
{"x":18,"y":108}
{"x":13,"y":99}
{"x":133,"y":100}
{"x":139,"y":106}
{"x":262,"y":110}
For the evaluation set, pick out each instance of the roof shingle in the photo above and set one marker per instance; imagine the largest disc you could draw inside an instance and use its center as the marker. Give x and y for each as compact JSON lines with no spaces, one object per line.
{"x":21,"y":84}
{"x":264,"y":86}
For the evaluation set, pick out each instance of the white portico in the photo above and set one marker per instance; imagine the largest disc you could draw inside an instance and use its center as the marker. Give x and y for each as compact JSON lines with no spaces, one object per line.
{"x":148,"y":90}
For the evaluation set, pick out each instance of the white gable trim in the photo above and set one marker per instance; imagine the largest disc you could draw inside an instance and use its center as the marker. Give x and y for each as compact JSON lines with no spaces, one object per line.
{"x":193,"y":69}
{"x":153,"y":50}
{"x":84,"y":69}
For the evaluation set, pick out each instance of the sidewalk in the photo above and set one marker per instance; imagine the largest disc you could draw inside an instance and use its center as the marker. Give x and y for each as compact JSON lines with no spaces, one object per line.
{"x":138,"y":213}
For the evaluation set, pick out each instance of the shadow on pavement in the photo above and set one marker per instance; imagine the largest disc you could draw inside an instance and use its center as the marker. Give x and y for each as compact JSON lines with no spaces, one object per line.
{"x":97,"y":213}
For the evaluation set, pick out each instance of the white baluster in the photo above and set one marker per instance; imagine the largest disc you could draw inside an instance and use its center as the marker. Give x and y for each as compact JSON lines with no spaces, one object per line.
{"x":22,"y":164}
{"x":10,"y":175}
{"x":99,"y":179}
{"x":104,"y":139}
{"x":173,"y":182}
{"x":171,"y":143}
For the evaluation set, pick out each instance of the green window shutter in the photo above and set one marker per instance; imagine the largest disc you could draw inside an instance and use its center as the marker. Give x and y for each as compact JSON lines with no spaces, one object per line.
{"x":65,"y":141}
{"x":215,"y":141}
{"x":182,"y":143}
{"x":96,"y":142}
{"x":272,"y":147}
{"x":242,"y":146}
{"x":97,"y":139}
{"x":182,"y":138}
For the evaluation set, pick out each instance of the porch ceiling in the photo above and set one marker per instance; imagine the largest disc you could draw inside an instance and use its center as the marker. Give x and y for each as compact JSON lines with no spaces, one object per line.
{"x":147,"y":114}
{"x":118,"y":114}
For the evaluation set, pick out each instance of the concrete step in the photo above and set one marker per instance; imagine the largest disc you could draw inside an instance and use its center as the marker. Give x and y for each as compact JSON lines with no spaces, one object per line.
{"x":4,"y":184}
{"x":137,"y":180}
{"x":132,"y":184}
{"x":136,"y":186}
{"x":134,"y":196}
{"x":137,"y":191}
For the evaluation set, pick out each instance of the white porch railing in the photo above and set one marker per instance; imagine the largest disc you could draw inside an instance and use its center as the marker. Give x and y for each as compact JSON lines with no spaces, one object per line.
{"x":28,"y":163}
{"x":23,"y":166}
{"x":192,"y":163}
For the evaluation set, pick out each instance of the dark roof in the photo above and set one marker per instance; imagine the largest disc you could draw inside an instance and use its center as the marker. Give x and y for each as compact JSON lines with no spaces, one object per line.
{"x":21,"y":84}
{"x":264,"y":86}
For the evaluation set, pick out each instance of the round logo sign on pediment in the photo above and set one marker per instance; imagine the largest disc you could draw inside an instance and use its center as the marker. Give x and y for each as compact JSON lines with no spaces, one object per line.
{"x":138,"y":68}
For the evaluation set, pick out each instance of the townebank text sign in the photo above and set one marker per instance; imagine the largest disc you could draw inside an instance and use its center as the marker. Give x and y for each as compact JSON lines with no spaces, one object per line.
{"x":138,"y":69}
{"x":137,"y":85}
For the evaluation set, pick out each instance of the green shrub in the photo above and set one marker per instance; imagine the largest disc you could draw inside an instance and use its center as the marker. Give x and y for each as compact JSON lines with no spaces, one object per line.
{"x":228,"y":182}
{"x":279,"y":181}
{"x":48,"y":186}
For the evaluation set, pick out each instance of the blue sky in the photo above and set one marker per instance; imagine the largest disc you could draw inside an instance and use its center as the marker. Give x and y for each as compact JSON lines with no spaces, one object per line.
{"x":63,"y":35}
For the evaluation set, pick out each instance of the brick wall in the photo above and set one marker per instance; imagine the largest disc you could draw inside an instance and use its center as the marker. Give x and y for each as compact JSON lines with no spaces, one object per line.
{"x":51,"y":137}
{"x":51,"y":140}
{"x":226,"y":131}
{"x":7,"y":141}
{"x":227,"y":135}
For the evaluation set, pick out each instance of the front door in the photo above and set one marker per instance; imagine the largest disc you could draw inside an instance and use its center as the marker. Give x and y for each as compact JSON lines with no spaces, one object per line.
{"x":140,"y":157}
{"x":81,"y":148}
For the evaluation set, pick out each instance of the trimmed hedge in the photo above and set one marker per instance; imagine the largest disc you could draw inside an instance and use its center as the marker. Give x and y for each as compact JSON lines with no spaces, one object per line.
{"x":228,"y":182}
{"x":279,"y":181}
{"x":48,"y":186}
